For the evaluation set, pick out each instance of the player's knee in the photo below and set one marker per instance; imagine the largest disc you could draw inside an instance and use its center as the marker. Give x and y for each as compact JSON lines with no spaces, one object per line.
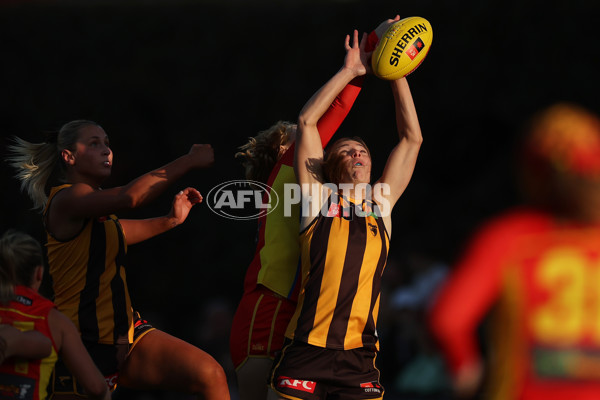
{"x":212,"y":375}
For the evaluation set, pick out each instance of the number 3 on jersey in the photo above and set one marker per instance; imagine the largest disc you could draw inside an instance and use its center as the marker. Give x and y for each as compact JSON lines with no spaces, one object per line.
{"x":568,"y":312}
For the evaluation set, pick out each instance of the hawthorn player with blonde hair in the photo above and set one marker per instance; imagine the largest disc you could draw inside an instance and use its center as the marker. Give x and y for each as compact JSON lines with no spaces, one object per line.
{"x":87,"y":246}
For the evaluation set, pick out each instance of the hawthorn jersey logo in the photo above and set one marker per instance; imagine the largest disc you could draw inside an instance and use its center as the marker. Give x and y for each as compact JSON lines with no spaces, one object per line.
{"x":242,"y":199}
{"x":305,"y":386}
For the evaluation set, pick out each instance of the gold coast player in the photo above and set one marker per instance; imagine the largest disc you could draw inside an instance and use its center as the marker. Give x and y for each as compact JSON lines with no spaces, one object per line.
{"x":344,"y":244}
{"x":21,"y":258}
{"x":28,"y":344}
{"x":538,"y":268}
{"x":271,"y":281}
{"x":87,"y":247}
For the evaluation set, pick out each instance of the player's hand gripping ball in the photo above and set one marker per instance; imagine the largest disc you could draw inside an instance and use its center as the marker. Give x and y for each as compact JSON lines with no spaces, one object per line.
{"x":402,"y":48}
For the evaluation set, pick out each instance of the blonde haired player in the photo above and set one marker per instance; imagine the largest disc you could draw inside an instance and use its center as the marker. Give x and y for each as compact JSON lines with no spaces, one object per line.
{"x":87,"y":246}
{"x":271,"y":284}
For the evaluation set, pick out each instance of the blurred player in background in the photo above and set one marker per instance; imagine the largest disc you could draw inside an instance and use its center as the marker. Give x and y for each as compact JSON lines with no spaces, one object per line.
{"x":538,"y":268}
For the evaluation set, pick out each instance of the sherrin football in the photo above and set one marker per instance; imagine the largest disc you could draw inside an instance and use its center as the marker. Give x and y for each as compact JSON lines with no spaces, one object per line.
{"x":402,"y":48}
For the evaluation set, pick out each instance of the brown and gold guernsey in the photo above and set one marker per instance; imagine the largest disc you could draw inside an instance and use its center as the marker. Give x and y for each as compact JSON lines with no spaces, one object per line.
{"x":88,"y":274}
{"x":343,"y":254}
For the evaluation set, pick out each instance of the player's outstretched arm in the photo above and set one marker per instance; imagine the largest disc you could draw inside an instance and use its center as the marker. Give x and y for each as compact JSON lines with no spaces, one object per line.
{"x":83,"y":201}
{"x":401,"y":162}
{"x":309,"y":150}
{"x":30,"y":344}
{"x":138,"y":230}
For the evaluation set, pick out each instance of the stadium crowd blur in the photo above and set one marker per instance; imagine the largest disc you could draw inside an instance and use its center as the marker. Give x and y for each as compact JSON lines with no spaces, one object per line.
{"x":161,"y":75}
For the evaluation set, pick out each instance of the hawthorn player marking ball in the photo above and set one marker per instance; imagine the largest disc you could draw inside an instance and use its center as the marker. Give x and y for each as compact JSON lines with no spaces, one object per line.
{"x":402,"y":48}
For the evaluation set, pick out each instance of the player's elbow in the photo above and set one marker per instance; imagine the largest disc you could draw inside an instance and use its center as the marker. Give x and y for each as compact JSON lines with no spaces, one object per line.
{"x":417,"y":139}
{"x":413,"y":137}
{"x":307,"y":119}
{"x":127,"y":201}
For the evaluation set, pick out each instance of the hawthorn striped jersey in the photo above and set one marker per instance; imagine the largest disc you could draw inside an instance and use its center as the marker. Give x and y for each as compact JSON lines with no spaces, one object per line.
{"x":89,"y":282}
{"x":343,"y":255}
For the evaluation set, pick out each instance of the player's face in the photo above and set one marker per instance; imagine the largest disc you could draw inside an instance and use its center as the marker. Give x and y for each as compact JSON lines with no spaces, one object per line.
{"x":93,"y":156}
{"x":357,"y":161}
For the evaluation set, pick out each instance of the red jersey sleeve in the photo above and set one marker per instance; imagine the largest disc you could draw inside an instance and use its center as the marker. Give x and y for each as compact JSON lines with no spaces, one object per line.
{"x":466,"y":297}
{"x":338,"y":110}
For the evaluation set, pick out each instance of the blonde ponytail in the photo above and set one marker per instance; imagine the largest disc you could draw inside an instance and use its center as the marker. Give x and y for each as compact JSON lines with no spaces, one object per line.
{"x":37,"y":163}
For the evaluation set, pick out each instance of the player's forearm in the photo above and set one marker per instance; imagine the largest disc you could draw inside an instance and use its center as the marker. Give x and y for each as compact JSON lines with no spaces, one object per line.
{"x":138,"y":230}
{"x":150,"y":185}
{"x":318,"y":104}
{"x":407,"y":120}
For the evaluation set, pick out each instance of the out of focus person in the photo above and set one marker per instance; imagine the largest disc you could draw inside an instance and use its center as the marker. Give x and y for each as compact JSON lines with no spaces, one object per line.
{"x":538,"y":268}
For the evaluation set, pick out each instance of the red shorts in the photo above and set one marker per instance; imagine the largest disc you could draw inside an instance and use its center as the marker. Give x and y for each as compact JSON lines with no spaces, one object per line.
{"x":259,"y":325}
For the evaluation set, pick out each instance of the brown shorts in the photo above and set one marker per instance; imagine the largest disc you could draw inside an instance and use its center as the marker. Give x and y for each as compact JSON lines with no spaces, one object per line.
{"x":107,"y":357}
{"x":307,"y":372}
{"x":259,"y":325}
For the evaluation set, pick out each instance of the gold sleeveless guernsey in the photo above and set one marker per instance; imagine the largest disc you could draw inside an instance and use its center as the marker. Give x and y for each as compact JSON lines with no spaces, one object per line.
{"x":343,"y":255}
{"x":88,"y":274}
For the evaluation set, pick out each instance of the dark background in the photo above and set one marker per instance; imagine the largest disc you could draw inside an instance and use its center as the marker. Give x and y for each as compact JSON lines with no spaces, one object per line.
{"x":162,"y":75}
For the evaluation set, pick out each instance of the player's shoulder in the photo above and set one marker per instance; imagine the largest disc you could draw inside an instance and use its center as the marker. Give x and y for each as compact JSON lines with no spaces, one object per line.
{"x":519,"y":220}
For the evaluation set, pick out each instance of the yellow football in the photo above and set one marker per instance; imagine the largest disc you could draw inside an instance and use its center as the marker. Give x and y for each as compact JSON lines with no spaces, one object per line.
{"x":402,"y":48}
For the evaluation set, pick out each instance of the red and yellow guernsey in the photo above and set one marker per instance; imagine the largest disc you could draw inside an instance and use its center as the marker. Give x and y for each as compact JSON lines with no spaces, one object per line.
{"x":543,"y":277}
{"x":21,"y":378}
{"x":275,"y":262}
